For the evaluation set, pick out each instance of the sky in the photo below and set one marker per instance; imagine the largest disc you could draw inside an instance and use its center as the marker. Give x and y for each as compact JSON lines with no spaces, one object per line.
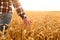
{"x":41,"y":5}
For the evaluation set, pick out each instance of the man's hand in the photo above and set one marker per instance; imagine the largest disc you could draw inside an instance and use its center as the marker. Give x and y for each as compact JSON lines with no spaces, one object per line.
{"x":27,"y":22}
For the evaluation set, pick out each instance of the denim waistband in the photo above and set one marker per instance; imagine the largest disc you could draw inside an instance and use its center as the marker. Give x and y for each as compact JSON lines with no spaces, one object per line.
{"x":4,"y":14}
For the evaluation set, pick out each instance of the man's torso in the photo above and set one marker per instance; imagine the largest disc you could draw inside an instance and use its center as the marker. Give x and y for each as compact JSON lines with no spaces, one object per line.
{"x":5,"y":6}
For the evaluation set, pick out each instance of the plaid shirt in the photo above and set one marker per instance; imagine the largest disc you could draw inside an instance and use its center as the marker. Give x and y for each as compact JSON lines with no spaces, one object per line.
{"x":6,"y":7}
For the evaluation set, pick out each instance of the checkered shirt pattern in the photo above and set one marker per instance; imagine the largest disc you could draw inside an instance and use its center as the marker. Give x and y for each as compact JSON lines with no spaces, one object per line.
{"x":6,"y":7}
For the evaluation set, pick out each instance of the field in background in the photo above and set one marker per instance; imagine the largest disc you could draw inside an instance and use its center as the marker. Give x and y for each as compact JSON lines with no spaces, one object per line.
{"x":44,"y":26}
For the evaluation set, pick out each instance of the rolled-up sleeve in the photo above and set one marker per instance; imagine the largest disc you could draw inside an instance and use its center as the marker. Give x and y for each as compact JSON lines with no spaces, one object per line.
{"x":18,"y":7}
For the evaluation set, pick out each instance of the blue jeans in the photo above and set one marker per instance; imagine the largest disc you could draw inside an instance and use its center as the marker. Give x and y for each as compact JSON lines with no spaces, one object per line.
{"x":5,"y":19}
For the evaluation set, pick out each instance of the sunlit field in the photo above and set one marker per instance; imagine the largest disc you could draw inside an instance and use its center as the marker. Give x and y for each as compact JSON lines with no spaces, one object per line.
{"x":45,"y":26}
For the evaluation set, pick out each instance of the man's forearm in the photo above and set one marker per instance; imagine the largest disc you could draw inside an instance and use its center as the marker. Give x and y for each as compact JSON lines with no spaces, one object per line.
{"x":21,"y":12}
{"x":19,"y":9}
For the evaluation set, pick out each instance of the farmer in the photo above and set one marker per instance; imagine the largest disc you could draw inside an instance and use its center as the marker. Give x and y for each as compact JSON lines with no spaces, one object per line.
{"x":6,"y":13}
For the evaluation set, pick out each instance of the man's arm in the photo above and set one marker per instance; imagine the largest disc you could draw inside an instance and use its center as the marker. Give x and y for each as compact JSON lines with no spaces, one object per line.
{"x":21,"y":12}
{"x":19,"y":9}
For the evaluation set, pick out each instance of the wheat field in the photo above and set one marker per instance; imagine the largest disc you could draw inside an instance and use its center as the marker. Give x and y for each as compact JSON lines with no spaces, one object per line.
{"x":44,"y":26}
